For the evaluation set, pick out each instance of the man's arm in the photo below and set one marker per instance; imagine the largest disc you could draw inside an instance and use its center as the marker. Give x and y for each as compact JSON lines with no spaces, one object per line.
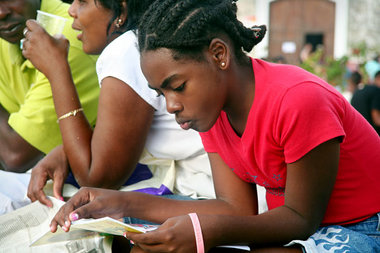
{"x":16,"y":154}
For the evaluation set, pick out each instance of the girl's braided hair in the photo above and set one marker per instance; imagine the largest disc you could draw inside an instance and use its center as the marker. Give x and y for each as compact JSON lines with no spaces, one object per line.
{"x":188,"y":26}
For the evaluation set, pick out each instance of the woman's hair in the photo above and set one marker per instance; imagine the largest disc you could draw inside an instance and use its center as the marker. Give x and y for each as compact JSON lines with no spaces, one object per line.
{"x":188,"y":26}
{"x":135,"y":10}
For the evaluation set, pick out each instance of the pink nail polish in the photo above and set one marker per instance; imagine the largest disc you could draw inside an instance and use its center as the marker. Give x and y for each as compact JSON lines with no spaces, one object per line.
{"x":61,"y":198}
{"x":74,"y":216}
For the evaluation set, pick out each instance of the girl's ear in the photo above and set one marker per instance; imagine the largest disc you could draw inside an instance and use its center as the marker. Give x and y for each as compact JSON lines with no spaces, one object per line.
{"x":219,"y":51}
{"x":124,"y":12}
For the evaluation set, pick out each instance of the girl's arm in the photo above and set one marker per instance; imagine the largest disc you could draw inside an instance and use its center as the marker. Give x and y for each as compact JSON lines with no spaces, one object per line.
{"x":235,"y":197}
{"x":310,"y":181}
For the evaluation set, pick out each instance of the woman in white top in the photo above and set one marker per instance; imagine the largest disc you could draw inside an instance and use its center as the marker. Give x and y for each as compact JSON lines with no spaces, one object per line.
{"x":132,"y":125}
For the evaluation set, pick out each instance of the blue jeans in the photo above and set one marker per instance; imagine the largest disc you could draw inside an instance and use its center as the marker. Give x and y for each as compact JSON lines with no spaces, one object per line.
{"x":363,"y":237}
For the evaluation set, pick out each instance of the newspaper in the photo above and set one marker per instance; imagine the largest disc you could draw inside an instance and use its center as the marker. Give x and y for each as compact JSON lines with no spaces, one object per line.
{"x":85,"y":227}
{"x":25,"y":225}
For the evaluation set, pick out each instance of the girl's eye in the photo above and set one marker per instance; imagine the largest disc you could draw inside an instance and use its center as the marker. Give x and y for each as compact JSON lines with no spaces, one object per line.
{"x":181,"y":87}
{"x":159,"y":93}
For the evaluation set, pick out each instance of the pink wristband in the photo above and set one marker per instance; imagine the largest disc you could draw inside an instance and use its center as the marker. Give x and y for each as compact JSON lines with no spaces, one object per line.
{"x":197,"y":232}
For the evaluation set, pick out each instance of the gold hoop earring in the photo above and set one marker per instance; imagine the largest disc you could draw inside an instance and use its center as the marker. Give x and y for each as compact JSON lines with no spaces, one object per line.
{"x":119,"y":23}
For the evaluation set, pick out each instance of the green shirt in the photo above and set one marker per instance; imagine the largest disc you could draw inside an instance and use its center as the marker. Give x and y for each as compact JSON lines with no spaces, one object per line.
{"x":26,"y":93}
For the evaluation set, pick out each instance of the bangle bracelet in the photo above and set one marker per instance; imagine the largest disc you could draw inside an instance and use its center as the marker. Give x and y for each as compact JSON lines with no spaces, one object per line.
{"x":71,"y":113}
{"x":198,"y":232}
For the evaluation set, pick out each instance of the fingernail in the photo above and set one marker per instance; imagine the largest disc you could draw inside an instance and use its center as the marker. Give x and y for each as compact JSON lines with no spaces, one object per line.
{"x":74,"y":216}
{"x":131,"y":242}
{"x":125,"y":234}
{"x":67,"y":223}
{"x":64,"y":228}
{"x":61,"y":198}
{"x":51,"y":228}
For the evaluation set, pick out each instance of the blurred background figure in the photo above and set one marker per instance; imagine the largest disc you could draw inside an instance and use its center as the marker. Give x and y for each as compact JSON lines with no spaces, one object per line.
{"x":366,"y":99}
{"x":372,"y":67}
{"x":354,"y":82}
{"x":306,"y":51}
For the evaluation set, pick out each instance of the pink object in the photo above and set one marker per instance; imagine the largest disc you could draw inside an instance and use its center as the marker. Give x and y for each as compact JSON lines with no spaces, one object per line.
{"x":197,"y":232}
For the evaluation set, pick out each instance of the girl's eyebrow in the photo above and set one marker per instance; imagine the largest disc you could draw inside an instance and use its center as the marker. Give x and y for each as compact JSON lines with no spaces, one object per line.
{"x":165,"y":83}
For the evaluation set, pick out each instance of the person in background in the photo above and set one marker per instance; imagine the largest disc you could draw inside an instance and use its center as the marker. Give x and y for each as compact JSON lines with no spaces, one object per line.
{"x":28,"y":127}
{"x":372,"y":67}
{"x":261,"y":123}
{"x":366,"y":99}
{"x":354,"y":82}
{"x":133,"y":123}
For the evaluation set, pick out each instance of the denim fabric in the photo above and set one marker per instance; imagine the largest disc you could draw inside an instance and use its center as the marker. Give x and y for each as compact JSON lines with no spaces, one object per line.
{"x":359,"y":237}
{"x":131,"y":220}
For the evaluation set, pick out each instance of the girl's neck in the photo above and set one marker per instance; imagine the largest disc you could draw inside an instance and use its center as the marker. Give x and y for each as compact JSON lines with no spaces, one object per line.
{"x":240,"y":98}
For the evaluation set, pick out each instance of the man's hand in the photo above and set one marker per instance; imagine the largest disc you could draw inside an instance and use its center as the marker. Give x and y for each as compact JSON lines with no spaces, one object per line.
{"x":54,"y":166}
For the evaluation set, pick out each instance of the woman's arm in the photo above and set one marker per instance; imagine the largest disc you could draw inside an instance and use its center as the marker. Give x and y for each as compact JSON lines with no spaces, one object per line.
{"x":106,"y":156}
{"x":123,"y":123}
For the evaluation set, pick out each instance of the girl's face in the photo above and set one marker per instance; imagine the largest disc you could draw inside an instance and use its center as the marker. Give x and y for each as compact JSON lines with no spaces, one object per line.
{"x":194,"y":91}
{"x":92,"y":20}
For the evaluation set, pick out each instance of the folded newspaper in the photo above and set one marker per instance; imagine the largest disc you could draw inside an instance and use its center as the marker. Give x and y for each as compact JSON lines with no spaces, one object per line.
{"x":84,"y":227}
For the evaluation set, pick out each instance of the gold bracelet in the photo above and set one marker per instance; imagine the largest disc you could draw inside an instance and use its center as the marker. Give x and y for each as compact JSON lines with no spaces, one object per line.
{"x":72,"y":113}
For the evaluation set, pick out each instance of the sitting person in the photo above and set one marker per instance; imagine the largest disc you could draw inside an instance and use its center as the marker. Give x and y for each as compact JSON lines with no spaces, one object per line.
{"x":133,"y":124}
{"x":261,"y":123}
{"x":28,"y":127}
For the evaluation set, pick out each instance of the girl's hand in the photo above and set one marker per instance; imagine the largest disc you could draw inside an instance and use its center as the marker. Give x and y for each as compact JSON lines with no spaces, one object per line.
{"x":46,"y":53}
{"x":174,"y":235}
{"x":89,"y":203}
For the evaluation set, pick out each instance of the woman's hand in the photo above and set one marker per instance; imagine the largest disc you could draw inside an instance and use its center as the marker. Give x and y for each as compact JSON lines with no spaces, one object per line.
{"x":46,"y":53}
{"x":174,"y":235}
{"x":90,"y":203}
{"x":53,"y":166}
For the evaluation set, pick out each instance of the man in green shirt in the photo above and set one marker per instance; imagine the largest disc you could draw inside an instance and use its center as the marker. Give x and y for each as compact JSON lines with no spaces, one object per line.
{"x":28,"y":127}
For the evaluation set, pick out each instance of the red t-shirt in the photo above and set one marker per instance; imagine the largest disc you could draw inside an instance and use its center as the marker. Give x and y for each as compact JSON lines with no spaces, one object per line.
{"x":293,"y":112}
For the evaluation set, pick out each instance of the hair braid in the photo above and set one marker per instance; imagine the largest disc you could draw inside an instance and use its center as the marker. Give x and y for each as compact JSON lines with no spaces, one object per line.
{"x":175,"y":14}
{"x":188,"y":26}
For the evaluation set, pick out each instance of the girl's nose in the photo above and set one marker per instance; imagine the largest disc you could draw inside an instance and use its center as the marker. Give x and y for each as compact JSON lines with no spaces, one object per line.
{"x":172,"y":105}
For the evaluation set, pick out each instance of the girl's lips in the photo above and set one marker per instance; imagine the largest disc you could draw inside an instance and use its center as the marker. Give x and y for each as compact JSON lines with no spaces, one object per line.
{"x":185,"y":126}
